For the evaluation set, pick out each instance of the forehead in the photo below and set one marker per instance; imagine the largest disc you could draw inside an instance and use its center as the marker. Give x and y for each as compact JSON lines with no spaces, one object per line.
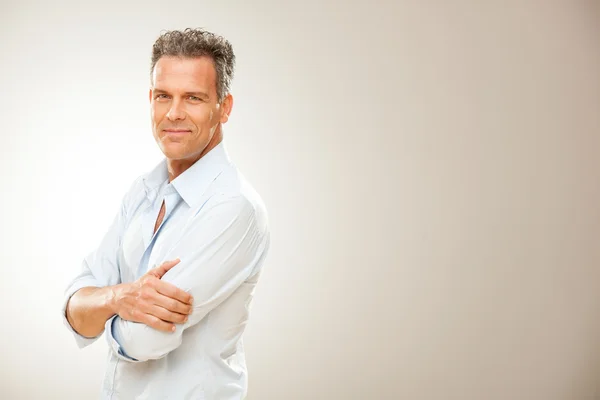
{"x":185,"y":74}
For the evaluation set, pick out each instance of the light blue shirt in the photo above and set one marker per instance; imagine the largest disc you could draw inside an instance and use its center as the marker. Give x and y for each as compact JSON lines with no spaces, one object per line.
{"x":216,"y":224}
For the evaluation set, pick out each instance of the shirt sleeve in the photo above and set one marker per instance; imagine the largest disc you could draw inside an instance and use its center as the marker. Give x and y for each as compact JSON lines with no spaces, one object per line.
{"x":99,"y":268}
{"x":223,"y":247}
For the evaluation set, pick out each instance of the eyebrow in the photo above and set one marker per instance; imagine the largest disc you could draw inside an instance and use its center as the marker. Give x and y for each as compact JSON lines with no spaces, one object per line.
{"x":197,"y":94}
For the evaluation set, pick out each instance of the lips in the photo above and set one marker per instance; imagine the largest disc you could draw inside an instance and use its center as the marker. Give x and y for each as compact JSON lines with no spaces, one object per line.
{"x":176,"y":132}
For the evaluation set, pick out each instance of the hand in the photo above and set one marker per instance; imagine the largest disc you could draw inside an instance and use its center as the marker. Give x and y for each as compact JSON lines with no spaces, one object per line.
{"x":153,"y":302}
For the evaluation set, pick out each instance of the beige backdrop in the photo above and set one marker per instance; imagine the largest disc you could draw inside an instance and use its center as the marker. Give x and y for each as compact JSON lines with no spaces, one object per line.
{"x":431,"y":171}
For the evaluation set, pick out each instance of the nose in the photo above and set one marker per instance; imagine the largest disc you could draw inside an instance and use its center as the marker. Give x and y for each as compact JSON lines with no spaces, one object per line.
{"x":175,"y":112}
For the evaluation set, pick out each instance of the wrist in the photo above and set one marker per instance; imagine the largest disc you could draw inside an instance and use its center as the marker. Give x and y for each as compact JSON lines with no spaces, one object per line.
{"x":112,"y":298}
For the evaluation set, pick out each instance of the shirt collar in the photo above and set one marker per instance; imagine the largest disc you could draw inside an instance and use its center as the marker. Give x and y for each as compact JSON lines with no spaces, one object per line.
{"x":194,"y":181}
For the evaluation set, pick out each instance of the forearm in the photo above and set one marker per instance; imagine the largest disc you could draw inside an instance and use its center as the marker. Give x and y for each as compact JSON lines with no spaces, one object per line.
{"x":89,"y":309}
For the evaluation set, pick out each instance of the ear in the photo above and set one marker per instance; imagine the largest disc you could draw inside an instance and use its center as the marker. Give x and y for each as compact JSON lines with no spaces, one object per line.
{"x":226,"y":106}
{"x":150,"y":95}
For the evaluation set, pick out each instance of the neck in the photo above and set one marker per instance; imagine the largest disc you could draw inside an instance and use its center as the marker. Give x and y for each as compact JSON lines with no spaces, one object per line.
{"x":178,"y":167}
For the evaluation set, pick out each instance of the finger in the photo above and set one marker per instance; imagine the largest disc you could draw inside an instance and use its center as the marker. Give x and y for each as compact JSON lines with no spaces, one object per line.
{"x":168,"y":316}
{"x":157,"y":323}
{"x":171,"y":304}
{"x":164,"y":267}
{"x":172,"y":291}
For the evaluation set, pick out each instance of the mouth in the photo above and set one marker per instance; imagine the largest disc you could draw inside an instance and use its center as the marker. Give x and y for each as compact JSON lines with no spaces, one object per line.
{"x":176,"y":132}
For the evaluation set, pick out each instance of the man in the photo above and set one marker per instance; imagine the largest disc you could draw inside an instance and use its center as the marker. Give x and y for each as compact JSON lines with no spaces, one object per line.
{"x":171,"y":283}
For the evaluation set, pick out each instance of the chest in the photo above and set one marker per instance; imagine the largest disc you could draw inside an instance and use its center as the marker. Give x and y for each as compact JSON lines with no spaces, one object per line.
{"x":149,"y":235}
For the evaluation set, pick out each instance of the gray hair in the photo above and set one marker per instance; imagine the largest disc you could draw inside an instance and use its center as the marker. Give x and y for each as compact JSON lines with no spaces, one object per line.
{"x":192,"y":43}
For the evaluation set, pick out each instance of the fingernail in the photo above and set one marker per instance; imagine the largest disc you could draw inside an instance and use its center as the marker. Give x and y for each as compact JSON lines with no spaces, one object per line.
{"x":173,"y":328}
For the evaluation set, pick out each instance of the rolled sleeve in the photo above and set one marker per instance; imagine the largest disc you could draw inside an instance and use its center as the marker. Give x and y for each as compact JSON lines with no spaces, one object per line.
{"x":112,"y":337}
{"x":79,"y":283}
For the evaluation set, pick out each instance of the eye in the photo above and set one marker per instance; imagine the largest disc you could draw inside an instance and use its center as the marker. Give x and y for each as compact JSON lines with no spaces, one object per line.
{"x":161,"y":96}
{"x":195,"y":98}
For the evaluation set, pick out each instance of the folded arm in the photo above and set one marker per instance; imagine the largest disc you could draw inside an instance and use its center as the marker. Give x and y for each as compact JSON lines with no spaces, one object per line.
{"x":222,"y":249}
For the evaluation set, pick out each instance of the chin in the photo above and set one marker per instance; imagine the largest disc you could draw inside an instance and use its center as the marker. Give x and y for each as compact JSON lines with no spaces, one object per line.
{"x":174,"y":153}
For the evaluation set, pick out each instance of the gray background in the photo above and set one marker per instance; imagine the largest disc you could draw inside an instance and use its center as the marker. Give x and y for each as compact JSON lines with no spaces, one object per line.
{"x":431,"y":171}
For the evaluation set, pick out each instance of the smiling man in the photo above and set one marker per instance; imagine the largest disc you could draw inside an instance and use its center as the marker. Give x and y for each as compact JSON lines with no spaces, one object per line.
{"x":171,"y":283}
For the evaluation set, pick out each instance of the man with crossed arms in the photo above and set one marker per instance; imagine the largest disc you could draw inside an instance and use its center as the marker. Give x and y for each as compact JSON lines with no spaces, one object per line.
{"x":172,"y":281}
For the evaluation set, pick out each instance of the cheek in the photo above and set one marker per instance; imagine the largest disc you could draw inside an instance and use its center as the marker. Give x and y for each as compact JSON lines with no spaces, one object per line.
{"x":201,"y":115}
{"x":157,"y":111}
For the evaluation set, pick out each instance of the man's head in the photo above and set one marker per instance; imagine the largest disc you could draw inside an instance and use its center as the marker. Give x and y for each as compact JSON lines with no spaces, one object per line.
{"x":191,"y":74}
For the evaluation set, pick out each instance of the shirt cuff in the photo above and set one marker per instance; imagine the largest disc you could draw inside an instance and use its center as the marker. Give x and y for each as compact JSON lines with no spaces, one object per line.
{"x":113,"y":339}
{"x":82,"y":341}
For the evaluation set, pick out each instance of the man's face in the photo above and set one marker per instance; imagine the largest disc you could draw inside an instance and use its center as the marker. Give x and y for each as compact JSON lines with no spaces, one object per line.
{"x":185,"y":109}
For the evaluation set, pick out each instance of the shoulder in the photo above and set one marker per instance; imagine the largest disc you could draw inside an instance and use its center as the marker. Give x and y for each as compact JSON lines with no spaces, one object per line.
{"x":232,"y":192}
{"x":134,"y":195}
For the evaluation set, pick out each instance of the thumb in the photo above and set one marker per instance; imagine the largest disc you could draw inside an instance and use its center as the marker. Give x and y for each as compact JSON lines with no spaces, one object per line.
{"x":164,"y":267}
